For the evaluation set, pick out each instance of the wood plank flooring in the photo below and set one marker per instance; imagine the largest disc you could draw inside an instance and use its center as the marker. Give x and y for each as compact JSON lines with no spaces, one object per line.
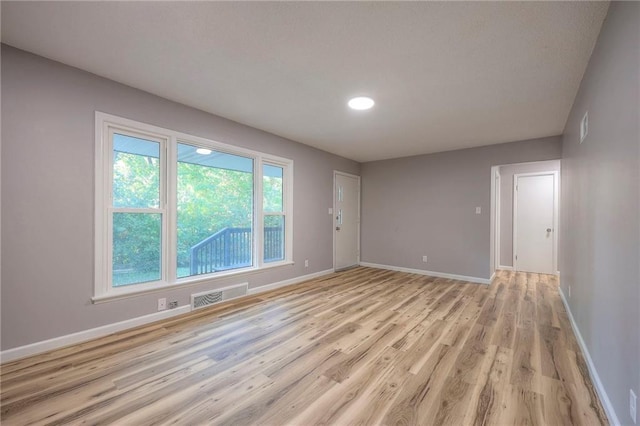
{"x":365,"y":346}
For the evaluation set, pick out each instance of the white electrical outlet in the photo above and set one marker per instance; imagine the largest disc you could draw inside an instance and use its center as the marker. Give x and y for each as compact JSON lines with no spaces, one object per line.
{"x":632,"y":405}
{"x":478,"y":210}
{"x":424,"y":259}
{"x":306,"y":263}
{"x":162,"y":304}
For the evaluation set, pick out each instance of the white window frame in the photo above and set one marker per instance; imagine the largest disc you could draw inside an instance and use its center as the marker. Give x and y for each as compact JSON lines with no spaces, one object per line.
{"x":105,"y":124}
{"x":287,"y":203}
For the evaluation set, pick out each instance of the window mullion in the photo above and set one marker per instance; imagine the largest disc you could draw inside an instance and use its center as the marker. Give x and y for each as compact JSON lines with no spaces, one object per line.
{"x":258,"y":213}
{"x":163,"y":206}
{"x":171,"y":181}
{"x":287,"y":206}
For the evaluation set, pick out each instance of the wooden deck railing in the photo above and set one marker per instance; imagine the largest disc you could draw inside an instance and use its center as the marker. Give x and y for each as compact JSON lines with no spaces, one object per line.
{"x":230,"y":248}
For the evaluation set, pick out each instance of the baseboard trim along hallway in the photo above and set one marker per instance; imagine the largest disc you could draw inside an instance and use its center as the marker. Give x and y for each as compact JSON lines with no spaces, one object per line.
{"x":606,"y":402}
{"x":428,"y":273}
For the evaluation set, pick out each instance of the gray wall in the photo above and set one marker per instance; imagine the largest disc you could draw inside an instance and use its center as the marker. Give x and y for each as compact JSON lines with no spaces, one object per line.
{"x":506,"y":202}
{"x":425,"y":205}
{"x":600,"y":244}
{"x":47,"y":190}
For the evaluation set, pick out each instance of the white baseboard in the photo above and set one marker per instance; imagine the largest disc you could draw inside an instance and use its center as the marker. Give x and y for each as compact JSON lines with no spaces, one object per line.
{"x":505,"y":268}
{"x":94,"y":333}
{"x":291,"y":281}
{"x":429,"y":273}
{"x":84,"y":335}
{"x":595,"y":378}
{"x":492,"y":277}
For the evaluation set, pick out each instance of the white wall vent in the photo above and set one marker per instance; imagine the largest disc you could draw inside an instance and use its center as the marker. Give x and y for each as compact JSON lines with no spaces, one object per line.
{"x":584,"y":126}
{"x":211,"y":297}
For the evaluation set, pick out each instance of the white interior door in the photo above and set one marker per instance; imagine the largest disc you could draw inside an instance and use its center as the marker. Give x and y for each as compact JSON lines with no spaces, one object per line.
{"x":346,"y":218}
{"x":534,"y":223}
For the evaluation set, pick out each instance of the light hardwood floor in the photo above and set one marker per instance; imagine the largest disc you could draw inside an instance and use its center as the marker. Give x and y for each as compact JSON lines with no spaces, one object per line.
{"x":366,"y":346}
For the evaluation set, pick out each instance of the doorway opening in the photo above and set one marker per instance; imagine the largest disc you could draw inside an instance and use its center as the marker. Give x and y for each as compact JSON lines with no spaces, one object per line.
{"x":525,"y":241}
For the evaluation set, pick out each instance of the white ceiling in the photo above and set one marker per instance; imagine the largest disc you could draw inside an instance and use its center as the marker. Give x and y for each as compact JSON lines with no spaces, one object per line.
{"x":444,"y":75}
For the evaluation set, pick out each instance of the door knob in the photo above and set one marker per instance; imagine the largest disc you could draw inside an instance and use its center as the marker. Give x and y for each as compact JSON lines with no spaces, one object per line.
{"x":337,"y":228}
{"x":548,"y":229}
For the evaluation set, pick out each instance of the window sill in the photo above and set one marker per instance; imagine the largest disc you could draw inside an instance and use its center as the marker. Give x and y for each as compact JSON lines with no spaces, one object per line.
{"x":184,"y":282}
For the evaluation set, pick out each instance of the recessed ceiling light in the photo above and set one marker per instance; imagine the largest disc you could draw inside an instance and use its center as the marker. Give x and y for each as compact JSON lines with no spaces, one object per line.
{"x":361,"y":102}
{"x":203,"y":151}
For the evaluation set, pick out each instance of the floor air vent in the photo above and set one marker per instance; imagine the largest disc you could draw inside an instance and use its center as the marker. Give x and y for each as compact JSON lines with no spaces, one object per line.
{"x":208,"y":298}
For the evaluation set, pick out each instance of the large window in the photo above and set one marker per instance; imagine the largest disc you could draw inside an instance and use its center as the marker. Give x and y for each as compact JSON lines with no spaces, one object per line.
{"x":136,"y":215}
{"x":215,"y":211}
{"x":274,"y":214}
{"x":173,"y":209}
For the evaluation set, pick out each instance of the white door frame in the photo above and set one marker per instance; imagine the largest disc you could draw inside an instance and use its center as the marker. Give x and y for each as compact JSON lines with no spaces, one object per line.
{"x":494,"y":241}
{"x":497,"y":183}
{"x":333,"y":214}
{"x":555,"y":175}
